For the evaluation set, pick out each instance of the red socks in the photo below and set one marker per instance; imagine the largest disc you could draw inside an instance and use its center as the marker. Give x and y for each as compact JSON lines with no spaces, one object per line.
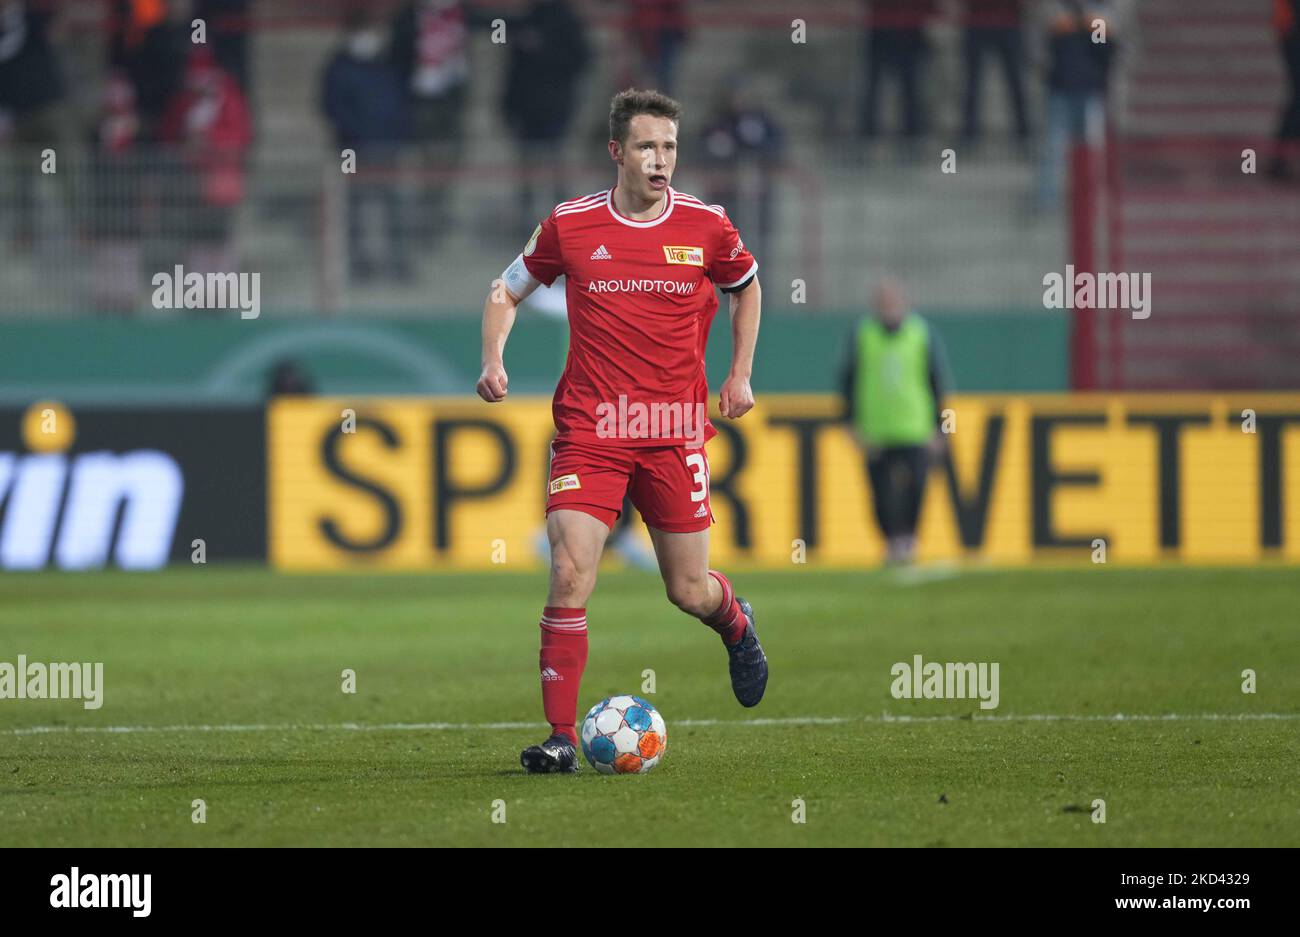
{"x":728,"y":621}
{"x":564,"y":654}
{"x":563,"y":658}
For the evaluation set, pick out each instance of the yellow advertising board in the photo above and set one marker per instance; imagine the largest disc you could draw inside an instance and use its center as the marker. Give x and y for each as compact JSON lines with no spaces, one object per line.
{"x":424,"y":483}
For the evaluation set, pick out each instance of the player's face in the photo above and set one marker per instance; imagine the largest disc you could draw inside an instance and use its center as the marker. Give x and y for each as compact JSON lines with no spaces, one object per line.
{"x":891,"y":304}
{"x":648,"y":157}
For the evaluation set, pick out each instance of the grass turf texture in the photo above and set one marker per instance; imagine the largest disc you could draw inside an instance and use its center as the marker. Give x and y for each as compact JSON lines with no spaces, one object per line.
{"x":248,"y":647}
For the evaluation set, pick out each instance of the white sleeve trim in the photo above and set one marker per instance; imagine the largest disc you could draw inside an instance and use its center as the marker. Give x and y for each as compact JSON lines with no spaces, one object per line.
{"x":749,"y":273}
{"x":518,"y":281}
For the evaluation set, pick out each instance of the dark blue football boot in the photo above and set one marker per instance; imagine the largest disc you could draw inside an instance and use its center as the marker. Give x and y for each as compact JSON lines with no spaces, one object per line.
{"x":747,"y":662}
{"x":554,"y":756}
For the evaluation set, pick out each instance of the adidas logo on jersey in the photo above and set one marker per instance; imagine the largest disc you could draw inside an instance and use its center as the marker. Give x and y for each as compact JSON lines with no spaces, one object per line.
{"x":601,"y":254}
{"x":549,"y":674}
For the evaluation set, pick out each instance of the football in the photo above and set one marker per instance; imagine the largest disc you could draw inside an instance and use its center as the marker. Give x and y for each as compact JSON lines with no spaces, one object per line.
{"x":624,"y":735}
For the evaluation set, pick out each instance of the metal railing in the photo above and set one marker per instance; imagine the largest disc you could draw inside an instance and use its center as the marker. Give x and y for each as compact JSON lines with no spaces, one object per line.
{"x":411,"y":232}
{"x":1216,"y":232}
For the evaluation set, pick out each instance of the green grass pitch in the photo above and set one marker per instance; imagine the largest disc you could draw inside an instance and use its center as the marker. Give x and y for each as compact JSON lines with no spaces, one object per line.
{"x":249,"y":663}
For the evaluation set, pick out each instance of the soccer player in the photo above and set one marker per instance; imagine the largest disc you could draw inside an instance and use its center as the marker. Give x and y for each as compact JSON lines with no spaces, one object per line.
{"x":641,"y":263}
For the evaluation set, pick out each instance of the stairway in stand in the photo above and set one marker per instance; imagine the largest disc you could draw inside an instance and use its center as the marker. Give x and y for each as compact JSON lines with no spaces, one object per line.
{"x":1222,"y":245}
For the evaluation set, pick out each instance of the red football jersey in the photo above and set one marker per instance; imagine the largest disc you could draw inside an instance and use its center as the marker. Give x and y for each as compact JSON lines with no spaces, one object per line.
{"x":641,"y":297}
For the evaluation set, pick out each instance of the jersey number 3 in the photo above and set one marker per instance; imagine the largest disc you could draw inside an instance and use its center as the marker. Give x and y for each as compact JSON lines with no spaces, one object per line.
{"x":696,"y":461}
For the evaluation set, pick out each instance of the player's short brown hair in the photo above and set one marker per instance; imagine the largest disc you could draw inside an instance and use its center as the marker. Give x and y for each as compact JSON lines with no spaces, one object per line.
{"x":630,"y":102}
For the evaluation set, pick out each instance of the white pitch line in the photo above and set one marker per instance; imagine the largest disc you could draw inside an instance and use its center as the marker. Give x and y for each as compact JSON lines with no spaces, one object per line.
{"x":788,"y":721}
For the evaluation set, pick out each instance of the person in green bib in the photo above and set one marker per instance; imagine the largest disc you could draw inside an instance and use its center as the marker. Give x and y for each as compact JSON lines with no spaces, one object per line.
{"x":893,"y":384}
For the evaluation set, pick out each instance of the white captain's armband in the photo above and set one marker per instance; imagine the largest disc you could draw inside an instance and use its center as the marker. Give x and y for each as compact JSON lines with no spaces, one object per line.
{"x":518,"y":280}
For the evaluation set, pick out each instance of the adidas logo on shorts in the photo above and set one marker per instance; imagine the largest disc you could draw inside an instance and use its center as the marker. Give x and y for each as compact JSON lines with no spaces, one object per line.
{"x":701,"y":511}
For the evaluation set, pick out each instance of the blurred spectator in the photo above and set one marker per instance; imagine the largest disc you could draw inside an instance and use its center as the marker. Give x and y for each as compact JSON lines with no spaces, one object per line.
{"x":893,"y":386}
{"x":31,"y":82}
{"x":1287,"y":20}
{"x":1078,"y":75}
{"x":118,"y":130}
{"x":742,"y":150}
{"x":993,"y":27}
{"x":430,"y":50}
{"x":150,"y":40}
{"x":363,"y":98}
{"x":289,"y":379}
{"x":31,"y":87}
{"x":548,"y":52}
{"x":896,"y":43}
{"x":208,"y":118}
{"x":114,"y":222}
{"x":656,"y":29}
{"x":228,"y":25}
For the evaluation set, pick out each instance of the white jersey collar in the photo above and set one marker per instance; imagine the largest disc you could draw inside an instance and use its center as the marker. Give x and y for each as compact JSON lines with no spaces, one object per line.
{"x":672,"y":200}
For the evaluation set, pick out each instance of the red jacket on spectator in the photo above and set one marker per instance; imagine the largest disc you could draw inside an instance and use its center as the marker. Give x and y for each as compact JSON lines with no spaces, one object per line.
{"x":1284,"y":16}
{"x":210,"y":117}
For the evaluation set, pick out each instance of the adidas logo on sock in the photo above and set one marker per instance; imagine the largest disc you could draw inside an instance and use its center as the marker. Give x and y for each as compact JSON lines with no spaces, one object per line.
{"x":548,"y":673}
{"x":601,"y":254}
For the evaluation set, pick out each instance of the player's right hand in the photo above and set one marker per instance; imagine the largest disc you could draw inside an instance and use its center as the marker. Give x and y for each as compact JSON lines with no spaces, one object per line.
{"x":492,"y":383}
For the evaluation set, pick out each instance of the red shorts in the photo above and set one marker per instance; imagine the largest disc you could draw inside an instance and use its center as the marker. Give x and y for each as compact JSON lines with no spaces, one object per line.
{"x":669,"y":485}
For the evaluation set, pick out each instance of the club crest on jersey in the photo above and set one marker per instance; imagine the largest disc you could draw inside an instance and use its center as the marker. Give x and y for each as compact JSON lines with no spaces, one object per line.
{"x":564,"y":483}
{"x":691,"y":256}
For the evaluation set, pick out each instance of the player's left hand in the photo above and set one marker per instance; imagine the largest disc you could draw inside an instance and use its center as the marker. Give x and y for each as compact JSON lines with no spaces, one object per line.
{"x":736,"y":398}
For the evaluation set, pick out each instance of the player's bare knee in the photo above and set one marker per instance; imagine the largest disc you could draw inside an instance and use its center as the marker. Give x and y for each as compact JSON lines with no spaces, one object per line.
{"x":690,"y":594}
{"x":571,"y":585}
